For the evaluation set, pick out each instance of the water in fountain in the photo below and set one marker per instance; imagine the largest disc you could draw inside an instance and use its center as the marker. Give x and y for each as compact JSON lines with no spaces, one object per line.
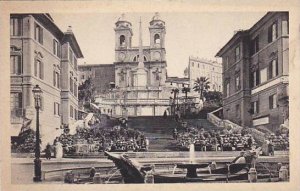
{"x":192,"y":153}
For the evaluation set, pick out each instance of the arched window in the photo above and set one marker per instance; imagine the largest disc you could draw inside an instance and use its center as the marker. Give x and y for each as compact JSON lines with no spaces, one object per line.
{"x":156,"y":39}
{"x":122,"y":40}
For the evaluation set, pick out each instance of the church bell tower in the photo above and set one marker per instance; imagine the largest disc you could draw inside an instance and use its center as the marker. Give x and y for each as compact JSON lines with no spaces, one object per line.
{"x":123,"y":37}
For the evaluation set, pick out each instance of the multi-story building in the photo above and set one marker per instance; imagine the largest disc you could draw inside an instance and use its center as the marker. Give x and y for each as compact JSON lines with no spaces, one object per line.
{"x":255,"y":73}
{"x":41,"y":54}
{"x":101,"y":75}
{"x":212,"y":70}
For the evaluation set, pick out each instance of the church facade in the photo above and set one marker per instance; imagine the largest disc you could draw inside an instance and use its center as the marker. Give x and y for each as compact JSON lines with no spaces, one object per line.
{"x":140,"y":72}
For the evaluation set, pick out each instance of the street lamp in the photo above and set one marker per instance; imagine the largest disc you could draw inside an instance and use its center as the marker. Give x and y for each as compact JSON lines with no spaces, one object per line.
{"x":37,"y":93}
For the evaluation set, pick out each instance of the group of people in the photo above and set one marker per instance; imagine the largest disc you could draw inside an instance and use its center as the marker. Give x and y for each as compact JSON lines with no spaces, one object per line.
{"x":117,"y":138}
{"x":213,"y":140}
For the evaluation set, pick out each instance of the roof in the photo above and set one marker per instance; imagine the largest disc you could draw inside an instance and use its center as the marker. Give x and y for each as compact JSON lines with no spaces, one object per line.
{"x":237,"y":35}
{"x":231,"y":42}
{"x":68,"y":36}
{"x":94,"y":65}
{"x":176,"y":79}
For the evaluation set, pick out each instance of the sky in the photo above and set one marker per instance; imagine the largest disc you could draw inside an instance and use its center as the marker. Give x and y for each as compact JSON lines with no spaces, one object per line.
{"x":200,"y":34}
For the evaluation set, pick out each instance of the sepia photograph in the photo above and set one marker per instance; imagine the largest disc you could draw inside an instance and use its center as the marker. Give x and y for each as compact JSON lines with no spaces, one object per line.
{"x":149,"y":97}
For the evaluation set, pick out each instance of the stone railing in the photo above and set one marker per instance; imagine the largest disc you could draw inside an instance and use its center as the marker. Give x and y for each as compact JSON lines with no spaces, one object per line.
{"x":135,"y":101}
{"x":211,"y":117}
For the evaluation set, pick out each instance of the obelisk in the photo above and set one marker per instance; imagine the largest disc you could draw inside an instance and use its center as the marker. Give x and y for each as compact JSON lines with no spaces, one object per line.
{"x":141,"y":74}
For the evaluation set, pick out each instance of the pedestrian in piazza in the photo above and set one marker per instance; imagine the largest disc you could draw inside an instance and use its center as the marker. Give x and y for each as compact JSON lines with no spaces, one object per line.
{"x":48,"y":151}
{"x":147,"y":143}
{"x":221,"y":143}
{"x":271,"y":147}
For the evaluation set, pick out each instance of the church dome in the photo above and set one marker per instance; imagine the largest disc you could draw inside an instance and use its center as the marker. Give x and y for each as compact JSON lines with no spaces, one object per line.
{"x":156,"y":20}
{"x":123,"y":22}
{"x":156,"y":16}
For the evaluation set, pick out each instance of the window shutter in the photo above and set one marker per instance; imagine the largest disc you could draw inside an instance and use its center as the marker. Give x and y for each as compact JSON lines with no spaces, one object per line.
{"x":270,"y":102}
{"x":54,"y":47}
{"x":19,"y":65}
{"x":270,"y":70}
{"x":58,"y":80}
{"x":41,"y":35}
{"x":35,"y":28}
{"x":276,"y":66}
{"x":20,"y":100}
{"x":257,"y":77}
{"x":42,"y":70}
{"x":54,"y":79}
{"x":59,"y":109}
{"x":270,"y":34}
{"x":251,"y":79}
{"x":35,"y":67}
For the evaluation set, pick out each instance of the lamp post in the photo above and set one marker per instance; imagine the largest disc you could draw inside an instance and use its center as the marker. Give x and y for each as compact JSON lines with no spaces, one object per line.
{"x":37,"y":93}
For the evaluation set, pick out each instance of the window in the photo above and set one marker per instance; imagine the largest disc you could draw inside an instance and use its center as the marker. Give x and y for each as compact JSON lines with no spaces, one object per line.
{"x":122,"y":40}
{"x":263,"y":75}
{"x":71,"y":111}
{"x":272,"y":32}
{"x":39,"y":69}
{"x":198,"y":65}
{"x":56,"y":79}
{"x":82,"y":77}
{"x":237,"y":53}
{"x":255,"y":78}
{"x":75,"y":89}
{"x":16,"y":101}
{"x":56,"y":108}
{"x":273,"y":69}
{"x":227,"y":63}
{"x":192,"y":64}
{"x":255,"y":107}
{"x":227,"y":89}
{"x":255,"y":45}
{"x":76,"y":114}
{"x":71,"y":85}
{"x":55,"y":47}
{"x":272,"y":101}
{"x":237,"y":82}
{"x":38,"y":34}
{"x":237,"y":110}
{"x":156,"y":39}
{"x":75,"y":62}
{"x":15,"y":64}
{"x":15,"y":27}
{"x":71,"y":57}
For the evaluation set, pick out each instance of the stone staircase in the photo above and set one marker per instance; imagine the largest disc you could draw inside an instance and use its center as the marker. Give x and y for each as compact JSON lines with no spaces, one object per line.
{"x":160,"y":130}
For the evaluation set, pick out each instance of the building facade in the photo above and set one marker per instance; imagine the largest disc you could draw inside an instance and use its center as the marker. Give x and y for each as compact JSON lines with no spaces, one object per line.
{"x":255,"y":73}
{"x":41,"y":54}
{"x":212,"y":70}
{"x":102,"y":76}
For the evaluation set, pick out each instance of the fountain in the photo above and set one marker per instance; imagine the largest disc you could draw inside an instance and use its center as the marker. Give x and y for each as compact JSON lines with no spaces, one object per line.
{"x":192,"y":166}
{"x":192,"y":153}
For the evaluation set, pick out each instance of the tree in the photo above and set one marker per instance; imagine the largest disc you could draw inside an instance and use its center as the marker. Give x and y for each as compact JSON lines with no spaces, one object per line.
{"x":86,"y":91}
{"x":201,"y":85}
{"x":213,"y":97}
